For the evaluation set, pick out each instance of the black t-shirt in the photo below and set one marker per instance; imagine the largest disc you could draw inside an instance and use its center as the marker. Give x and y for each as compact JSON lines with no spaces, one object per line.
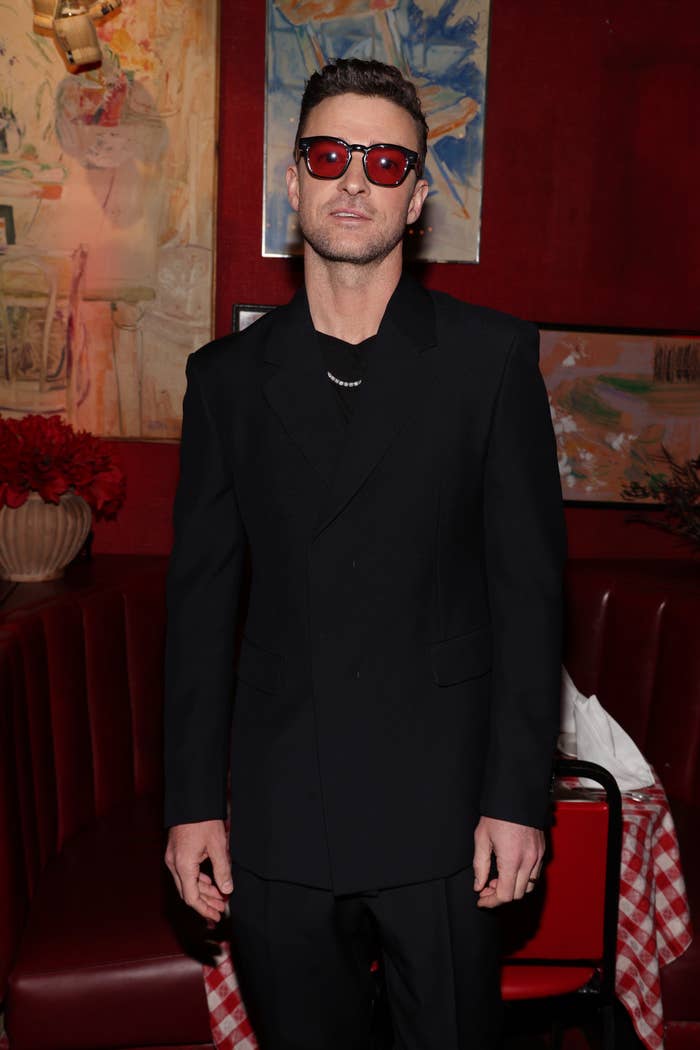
{"x":346,"y":361}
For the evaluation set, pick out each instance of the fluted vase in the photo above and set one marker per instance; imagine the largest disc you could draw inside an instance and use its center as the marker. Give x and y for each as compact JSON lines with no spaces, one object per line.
{"x":38,"y":539}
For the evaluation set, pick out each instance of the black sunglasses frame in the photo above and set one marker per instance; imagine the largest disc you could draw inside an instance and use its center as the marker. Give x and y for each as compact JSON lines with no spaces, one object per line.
{"x":413,"y":160}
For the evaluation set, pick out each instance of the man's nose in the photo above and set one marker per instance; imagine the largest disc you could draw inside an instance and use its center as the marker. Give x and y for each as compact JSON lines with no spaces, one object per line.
{"x":354,"y":180}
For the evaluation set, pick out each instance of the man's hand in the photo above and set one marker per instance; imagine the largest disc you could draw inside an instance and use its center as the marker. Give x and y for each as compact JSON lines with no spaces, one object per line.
{"x":188,"y":846}
{"x":518,"y":851}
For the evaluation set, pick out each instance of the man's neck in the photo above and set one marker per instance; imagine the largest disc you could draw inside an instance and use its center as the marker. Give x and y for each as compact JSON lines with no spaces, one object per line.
{"x":347,"y":300}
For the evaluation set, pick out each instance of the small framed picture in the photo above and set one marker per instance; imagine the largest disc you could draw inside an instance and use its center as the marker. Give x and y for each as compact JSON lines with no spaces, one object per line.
{"x":622,"y":402}
{"x":245,"y":313}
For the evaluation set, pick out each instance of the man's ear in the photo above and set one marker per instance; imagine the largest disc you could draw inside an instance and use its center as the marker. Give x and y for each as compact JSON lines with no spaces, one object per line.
{"x":292,"y":177}
{"x":415,"y":207}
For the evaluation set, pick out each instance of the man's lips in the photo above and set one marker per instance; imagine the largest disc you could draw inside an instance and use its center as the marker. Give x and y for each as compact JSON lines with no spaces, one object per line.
{"x":349,"y":213}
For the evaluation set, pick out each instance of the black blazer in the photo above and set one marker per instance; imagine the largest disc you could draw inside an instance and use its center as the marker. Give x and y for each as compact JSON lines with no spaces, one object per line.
{"x":400,"y":664}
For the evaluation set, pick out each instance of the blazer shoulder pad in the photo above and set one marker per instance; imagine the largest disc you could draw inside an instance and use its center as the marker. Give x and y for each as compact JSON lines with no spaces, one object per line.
{"x":489,"y":322}
{"x":230,"y":354}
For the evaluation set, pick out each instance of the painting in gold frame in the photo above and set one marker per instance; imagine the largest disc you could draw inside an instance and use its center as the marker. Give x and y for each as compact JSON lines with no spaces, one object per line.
{"x":108,"y":178}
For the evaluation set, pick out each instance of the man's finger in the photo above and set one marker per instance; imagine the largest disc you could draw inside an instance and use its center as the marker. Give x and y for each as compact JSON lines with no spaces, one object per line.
{"x":506,"y":882}
{"x":206,"y":911}
{"x":490,"y":888}
{"x":221,"y":868}
{"x":189,"y":876}
{"x":178,"y":883}
{"x":216,"y":903}
{"x":173,"y":871}
{"x":207,"y":889}
{"x":490,"y":897}
{"x":482,"y":862}
{"x":535,"y":875}
{"x":529,"y":862}
{"x":531,"y":881}
{"x":193,"y":898}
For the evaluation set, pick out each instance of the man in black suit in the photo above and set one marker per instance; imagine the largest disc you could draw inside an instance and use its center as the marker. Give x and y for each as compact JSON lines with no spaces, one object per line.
{"x":382,"y":458}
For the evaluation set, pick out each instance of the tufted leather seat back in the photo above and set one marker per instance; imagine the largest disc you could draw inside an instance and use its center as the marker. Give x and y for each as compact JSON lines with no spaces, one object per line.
{"x":80,"y":724}
{"x":13,"y":888}
{"x":632,"y":639}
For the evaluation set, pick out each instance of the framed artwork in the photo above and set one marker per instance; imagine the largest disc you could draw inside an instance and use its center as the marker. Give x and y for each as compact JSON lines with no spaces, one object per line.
{"x":107,"y":217}
{"x":616,"y":398}
{"x":245,"y":313}
{"x":442,"y":46}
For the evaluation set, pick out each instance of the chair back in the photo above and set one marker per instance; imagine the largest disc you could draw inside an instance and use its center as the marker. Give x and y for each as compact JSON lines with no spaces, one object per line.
{"x":570,"y":918}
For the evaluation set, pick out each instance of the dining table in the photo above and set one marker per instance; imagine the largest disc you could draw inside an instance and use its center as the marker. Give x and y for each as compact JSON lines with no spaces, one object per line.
{"x":654,"y":923}
{"x":654,"y":928}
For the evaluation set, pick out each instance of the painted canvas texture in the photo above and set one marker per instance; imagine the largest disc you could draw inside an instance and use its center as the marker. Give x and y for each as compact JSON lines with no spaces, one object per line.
{"x":615,"y":398}
{"x":441,"y":45}
{"x":107,"y":183}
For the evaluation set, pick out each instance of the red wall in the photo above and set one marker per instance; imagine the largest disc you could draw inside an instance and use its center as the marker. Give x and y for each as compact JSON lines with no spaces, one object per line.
{"x":591,"y":214}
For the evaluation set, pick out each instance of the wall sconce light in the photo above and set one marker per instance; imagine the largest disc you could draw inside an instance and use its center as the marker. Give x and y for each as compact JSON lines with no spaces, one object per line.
{"x":72,"y":25}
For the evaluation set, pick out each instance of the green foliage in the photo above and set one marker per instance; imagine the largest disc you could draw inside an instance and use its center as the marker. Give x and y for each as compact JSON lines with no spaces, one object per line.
{"x":676,"y":486}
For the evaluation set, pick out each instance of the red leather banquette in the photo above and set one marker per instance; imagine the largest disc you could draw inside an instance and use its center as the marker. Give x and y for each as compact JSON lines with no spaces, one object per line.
{"x":95,"y":949}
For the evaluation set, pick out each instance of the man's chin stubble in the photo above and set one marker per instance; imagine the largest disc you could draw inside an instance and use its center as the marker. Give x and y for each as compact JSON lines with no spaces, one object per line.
{"x":363,"y":255}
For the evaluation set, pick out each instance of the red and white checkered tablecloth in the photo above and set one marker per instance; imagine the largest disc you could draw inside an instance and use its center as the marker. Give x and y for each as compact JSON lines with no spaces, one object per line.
{"x":653,"y":928}
{"x":230,"y":1026}
{"x":654,"y":925}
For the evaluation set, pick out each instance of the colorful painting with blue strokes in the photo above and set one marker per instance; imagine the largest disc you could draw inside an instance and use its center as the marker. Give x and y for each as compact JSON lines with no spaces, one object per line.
{"x":441,"y":45}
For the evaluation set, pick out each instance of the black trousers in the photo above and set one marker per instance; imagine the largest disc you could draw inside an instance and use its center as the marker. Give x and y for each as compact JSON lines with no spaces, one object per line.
{"x":303,"y":961}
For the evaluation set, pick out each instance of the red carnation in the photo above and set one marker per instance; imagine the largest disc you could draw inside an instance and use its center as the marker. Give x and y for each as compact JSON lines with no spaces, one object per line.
{"x":44,"y":454}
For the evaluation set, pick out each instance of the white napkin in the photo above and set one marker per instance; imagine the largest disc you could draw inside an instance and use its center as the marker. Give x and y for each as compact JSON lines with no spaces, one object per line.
{"x":568,"y":692}
{"x":599,"y":738}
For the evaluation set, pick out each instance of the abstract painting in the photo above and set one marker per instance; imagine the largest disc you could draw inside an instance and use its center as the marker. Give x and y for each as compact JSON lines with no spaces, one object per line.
{"x":441,"y":45}
{"x":107,"y":217}
{"x":615,"y":398}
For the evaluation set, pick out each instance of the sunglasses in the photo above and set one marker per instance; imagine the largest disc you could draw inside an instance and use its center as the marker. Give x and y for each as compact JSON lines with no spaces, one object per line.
{"x":383,"y":163}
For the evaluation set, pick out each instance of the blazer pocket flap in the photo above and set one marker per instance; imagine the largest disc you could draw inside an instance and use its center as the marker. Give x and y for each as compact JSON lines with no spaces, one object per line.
{"x":466,"y":656}
{"x":259,"y":667}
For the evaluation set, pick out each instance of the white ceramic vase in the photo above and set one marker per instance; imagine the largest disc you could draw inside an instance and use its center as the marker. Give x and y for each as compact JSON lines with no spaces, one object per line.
{"x":38,"y":539}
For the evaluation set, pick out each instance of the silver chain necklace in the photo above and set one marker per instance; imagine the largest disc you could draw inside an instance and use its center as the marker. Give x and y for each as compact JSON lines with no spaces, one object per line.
{"x":343,"y":382}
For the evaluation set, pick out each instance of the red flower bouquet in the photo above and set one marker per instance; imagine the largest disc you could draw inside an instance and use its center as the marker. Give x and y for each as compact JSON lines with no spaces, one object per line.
{"x":45,"y":455}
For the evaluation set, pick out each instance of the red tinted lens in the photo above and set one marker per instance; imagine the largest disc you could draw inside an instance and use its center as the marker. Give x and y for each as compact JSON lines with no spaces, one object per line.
{"x":386,"y":165}
{"x":327,"y":158}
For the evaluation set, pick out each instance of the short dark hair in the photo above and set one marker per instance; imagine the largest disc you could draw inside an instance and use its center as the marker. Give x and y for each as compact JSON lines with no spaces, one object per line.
{"x":363,"y":77}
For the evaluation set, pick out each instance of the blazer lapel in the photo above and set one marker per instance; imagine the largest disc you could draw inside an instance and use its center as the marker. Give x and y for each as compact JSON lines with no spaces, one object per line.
{"x":401,"y":368}
{"x":299,"y":391}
